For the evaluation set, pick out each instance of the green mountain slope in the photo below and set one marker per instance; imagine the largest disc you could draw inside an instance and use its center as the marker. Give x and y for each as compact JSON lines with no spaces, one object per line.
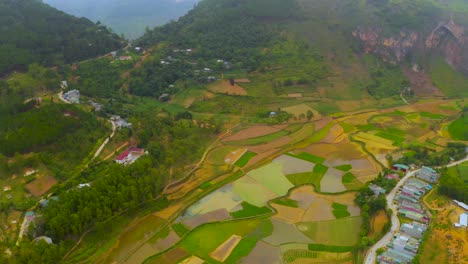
{"x":367,"y":45}
{"x":38,"y":33}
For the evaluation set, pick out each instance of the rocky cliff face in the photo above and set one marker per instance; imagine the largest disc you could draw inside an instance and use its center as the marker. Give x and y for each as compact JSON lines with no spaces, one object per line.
{"x":447,"y":39}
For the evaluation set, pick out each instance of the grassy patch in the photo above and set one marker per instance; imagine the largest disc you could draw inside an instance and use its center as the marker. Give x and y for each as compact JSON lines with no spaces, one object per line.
{"x":345,"y":167}
{"x":395,"y":138}
{"x":245,"y":159}
{"x":351,"y":182}
{"x":180,"y":229}
{"x":451,"y":82}
{"x":314,"y":177}
{"x":207,"y":238}
{"x":340,"y":210}
{"x":242,"y":249}
{"x":458,"y":129}
{"x":308,"y":157}
{"x":432,"y":115}
{"x":206,"y":185}
{"x":341,"y":232}
{"x":250,"y":210}
{"x":258,"y":140}
{"x":347,"y":127}
{"x":329,"y":248}
{"x":286,"y":202}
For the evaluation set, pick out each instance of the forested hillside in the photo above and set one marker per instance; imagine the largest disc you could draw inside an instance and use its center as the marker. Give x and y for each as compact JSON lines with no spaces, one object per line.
{"x":38,"y":33}
{"x":126,"y":17}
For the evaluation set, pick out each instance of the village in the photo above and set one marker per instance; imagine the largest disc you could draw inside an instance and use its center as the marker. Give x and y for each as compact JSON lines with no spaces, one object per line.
{"x":405,"y":243}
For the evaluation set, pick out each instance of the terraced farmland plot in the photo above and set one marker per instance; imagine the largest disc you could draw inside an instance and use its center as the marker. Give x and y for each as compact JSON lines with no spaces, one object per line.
{"x":341,"y":232}
{"x":293,"y":165}
{"x":223,"y":198}
{"x":272,"y":177}
{"x":253,"y":192}
{"x":242,"y":161}
{"x":284,"y":232}
{"x":332,"y":181}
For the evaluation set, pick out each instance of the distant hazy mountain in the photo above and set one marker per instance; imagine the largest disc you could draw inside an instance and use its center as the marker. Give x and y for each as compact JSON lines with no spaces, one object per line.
{"x":129,"y":17}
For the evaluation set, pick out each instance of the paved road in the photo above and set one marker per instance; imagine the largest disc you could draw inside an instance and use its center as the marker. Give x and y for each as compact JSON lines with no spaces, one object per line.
{"x":98,"y":152}
{"x":371,"y":253}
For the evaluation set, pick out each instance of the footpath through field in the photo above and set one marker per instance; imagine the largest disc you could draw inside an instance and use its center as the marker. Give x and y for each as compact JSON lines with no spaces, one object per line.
{"x":371,"y":253}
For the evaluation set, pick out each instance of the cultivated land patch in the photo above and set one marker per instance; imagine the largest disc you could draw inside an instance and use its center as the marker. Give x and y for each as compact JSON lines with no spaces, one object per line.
{"x":258,"y":140}
{"x":253,"y":192}
{"x":316,"y":257}
{"x":335,"y":135}
{"x":253,"y":132}
{"x":263,"y":253}
{"x":301,"y":109}
{"x":340,"y":232}
{"x":223,"y":198}
{"x":272,"y":177}
{"x":284,"y":232}
{"x":378,"y":222}
{"x":174,"y":256}
{"x":192,"y":260}
{"x":222,"y":252}
{"x":225,"y":87}
{"x":246,"y":157}
{"x":205,"y":239}
{"x":41,"y":185}
{"x":213,"y":216}
{"x":233,"y":156}
{"x":288,"y":214}
{"x":332,"y":181}
{"x":292,"y":165}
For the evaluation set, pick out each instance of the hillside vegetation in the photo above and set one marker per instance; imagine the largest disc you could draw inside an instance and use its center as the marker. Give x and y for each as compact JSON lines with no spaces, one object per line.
{"x":38,"y":33}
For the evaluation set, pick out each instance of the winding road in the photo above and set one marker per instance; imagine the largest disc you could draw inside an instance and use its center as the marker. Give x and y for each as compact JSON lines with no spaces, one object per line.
{"x":371,"y":253}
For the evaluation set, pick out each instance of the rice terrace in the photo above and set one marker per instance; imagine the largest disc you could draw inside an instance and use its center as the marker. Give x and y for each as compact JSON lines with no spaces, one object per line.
{"x":279,"y":193}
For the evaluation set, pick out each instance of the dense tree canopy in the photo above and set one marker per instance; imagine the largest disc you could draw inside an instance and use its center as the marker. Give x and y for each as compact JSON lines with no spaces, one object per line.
{"x":39,"y":33}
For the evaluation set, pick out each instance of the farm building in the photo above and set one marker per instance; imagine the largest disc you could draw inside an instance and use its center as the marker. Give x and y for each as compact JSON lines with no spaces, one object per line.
{"x":392,"y":256}
{"x":428,"y":174}
{"x":392,"y":177}
{"x":164,"y":97}
{"x":415,"y":230}
{"x":129,"y":156}
{"x":404,"y":244}
{"x":72,"y":96}
{"x":125,"y":58}
{"x":82,"y":185}
{"x":48,"y":240}
{"x":463,"y":221}
{"x":462,"y":205}
{"x":400,"y":167}
{"x":120,"y":122}
{"x":376,"y":189}
{"x":64,"y":84}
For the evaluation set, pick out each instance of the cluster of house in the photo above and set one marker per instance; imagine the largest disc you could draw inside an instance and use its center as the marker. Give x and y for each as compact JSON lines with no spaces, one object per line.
{"x":408,"y":198}
{"x":72,"y":96}
{"x":404,"y":245}
{"x":97,"y":106}
{"x":129,"y":156}
{"x":463,"y":222}
{"x":120,"y":122}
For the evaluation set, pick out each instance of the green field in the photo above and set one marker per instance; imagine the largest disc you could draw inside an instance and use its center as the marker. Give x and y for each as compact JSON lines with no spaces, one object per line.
{"x":314,"y":177}
{"x":207,"y":238}
{"x":205,"y":185}
{"x":460,"y":171}
{"x":458,"y":129}
{"x":340,"y":210}
{"x":250,"y":210}
{"x":245,"y":159}
{"x":307,"y":157}
{"x":329,"y":248}
{"x":286,"y":202}
{"x":180,"y":229}
{"x":271,"y":176}
{"x":341,"y":232}
{"x":351,"y":182}
{"x":258,"y":140}
{"x":345,"y":167}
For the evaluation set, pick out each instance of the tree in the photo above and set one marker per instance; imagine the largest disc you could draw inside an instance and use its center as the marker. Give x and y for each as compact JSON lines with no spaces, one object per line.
{"x":310,"y":114}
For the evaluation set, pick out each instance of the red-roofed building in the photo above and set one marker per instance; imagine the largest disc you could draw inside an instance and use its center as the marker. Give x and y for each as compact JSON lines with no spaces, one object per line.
{"x":392,"y":177}
{"x":129,"y":156}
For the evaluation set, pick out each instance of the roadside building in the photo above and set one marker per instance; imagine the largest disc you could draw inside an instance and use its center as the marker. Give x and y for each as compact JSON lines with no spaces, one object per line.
{"x":392,"y":177}
{"x":462,"y":205}
{"x":415,"y":229}
{"x":463,"y":223}
{"x":72,"y":96}
{"x":428,"y":174}
{"x":400,"y":167}
{"x":376,"y":189}
{"x":120,"y":122}
{"x":129,"y":156}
